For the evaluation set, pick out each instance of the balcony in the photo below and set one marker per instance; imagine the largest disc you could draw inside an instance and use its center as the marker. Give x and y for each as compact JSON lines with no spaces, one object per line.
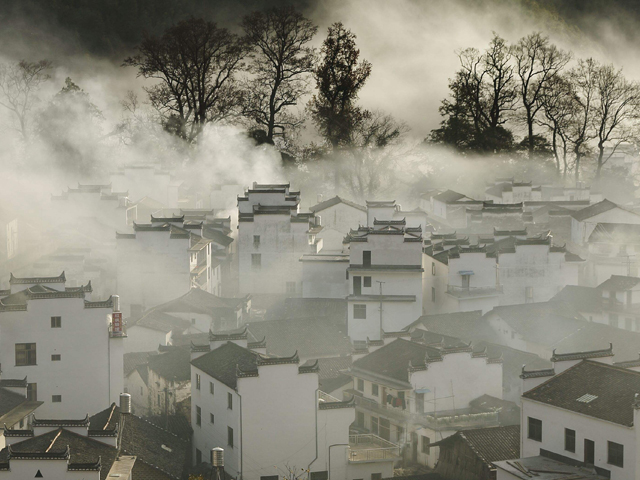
{"x":371,"y":448}
{"x":471,"y":292}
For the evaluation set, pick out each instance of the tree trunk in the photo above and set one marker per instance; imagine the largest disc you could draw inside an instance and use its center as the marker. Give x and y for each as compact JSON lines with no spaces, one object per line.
{"x":600,"y":157}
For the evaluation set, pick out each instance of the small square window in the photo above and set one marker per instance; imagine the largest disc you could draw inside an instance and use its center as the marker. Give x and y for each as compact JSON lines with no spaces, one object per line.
{"x":360,"y":311}
{"x":56,"y":398}
{"x":367,"y":281}
{"x":56,"y":322}
{"x":56,"y":357}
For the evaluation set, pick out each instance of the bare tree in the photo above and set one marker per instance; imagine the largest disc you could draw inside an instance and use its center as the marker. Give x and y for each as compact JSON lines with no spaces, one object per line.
{"x":555,"y":100}
{"x":537,"y":62}
{"x":19,"y":85}
{"x":281,"y":62}
{"x":195,"y":63}
{"x":615,"y":109}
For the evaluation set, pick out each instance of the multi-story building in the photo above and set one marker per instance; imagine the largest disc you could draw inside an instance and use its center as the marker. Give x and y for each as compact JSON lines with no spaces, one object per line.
{"x":584,"y":221}
{"x":385,"y":272}
{"x":417,"y":394}
{"x":391,"y":211}
{"x":68,"y":347}
{"x":272,"y":420}
{"x":272,"y":236}
{"x":337,"y":216}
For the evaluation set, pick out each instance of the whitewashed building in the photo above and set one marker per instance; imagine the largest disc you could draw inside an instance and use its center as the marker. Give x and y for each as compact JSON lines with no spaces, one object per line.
{"x":389,"y":210}
{"x":584,"y":221}
{"x":337,"y":216}
{"x":271,"y":418}
{"x":68,"y":347}
{"x":272,"y":236}
{"x":416,"y":394}
{"x":385,"y":278}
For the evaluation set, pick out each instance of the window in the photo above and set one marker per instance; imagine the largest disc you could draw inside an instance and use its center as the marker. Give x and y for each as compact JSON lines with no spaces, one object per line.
{"x":367,"y":281}
{"x":569,"y":440}
{"x":56,"y":322}
{"x":269,"y":477}
{"x":211,"y":388}
{"x":376,"y":476}
{"x":56,"y":398}
{"x":360,"y":311}
{"x":256,"y":241}
{"x":291,"y":287}
{"x":374,"y":389}
{"x":374,"y":425}
{"x":256,"y":261}
{"x":366,"y":258}
{"x":323,"y":475}
{"x":535,"y":429}
{"x":25,"y":354}
{"x":197,"y":381}
{"x":615,"y":454}
{"x":433,"y":268}
{"x":56,"y":357}
{"x":198,"y":416}
{"x":229,"y":401}
{"x":433,"y":294}
{"x":211,"y":418}
{"x":198,"y":457}
{"x":426,"y":441}
{"x":230,"y":436}
{"x":32,"y":391}
{"x":360,"y":386}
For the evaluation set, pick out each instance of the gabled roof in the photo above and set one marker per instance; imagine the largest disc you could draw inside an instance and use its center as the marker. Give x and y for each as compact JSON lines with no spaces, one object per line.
{"x":619,"y":283}
{"x":449,"y":196}
{"x":463,"y":325}
{"x":330,"y":373}
{"x":594,"y":389}
{"x":223,"y":363}
{"x":29,"y":280}
{"x":159,"y":321}
{"x":197,"y":300}
{"x":14,"y":407}
{"x":173,"y":364}
{"x":133,"y":359}
{"x":489,"y":444}
{"x":335,"y":201}
{"x":583,"y":299}
{"x":621,"y":233}
{"x":595,"y":209}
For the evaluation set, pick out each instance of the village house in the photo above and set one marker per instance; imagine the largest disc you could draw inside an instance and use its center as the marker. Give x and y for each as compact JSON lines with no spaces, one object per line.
{"x":389,"y":210}
{"x":238,"y":404}
{"x":41,"y":322}
{"x":450,"y":208}
{"x":109,"y":444}
{"x":583,"y":412}
{"x":385,"y":273}
{"x":324,"y":274}
{"x":337,"y":216}
{"x":272,"y":236}
{"x":584,"y":221}
{"x":416,"y":393}
{"x":162,"y":259}
{"x":15,"y":408}
{"x":612,"y":249}
{"x":513,"y":192}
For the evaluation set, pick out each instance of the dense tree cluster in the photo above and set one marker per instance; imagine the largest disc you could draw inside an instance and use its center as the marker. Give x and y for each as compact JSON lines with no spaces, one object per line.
{"x":564,"y":109}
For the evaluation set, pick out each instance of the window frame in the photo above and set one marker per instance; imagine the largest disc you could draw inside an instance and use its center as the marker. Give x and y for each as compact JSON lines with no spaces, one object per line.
{"x":212,"y":419}
{"x":375,"y":390}
{"x":256,"y":261}
{"x":56,"y":398}
{"x":229,"y":401}
{"x":230,"y":438}
{"x":366,"y":282}
{"x":532,"y":432}
{"x":198,"y":416}
{"x":425,"y":444}
{"x":198,"y":381}
{"x":359,"y":384}
{"x":56,"y":322}
{"x":359,"y":308}
{"x":27,"y":354}
{"x":212,"y":388}
{"x":611,"y":460}
{"x":569,"y":436}
{"x":56,"y":357}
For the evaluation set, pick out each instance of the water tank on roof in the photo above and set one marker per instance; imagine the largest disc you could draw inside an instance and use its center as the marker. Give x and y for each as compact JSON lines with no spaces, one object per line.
{"x":217,"y":457}
{"x":125,"y":403}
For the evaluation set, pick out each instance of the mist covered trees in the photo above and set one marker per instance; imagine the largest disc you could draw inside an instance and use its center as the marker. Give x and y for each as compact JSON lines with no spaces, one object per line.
{"x":563,"y":110}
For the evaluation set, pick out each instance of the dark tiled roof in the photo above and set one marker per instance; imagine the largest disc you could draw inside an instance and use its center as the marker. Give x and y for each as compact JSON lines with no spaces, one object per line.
{"x":619,"y":283}
{"x":217,"y":236}
{"x":223,"y":363}
{"x":132,"y":360}
{"x":14,"y":407}
{"x":330,"y":374}
{"x":159,"y":321}
{"x":583,"y":299}
{"x":595,"y":209}
{"x":628,"y":363}
{"x":601,"y":353}
{"x":197,"y":300}
{"x":173,"y":364}
{"x":28,"y":280}
{"x":595,"y":336}
{"x":614,"y":389}
{"x":494,"y":443}
{"x":176,"y":424}
{"x":449,"y":196}
{"x":463,"y":325}
{"x":334,"y":201}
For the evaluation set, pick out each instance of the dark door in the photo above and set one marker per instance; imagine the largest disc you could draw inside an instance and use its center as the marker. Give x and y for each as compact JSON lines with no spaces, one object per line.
{"x":589,"y":451}
{"x":414,"y":447}
{"x":357,"y":285}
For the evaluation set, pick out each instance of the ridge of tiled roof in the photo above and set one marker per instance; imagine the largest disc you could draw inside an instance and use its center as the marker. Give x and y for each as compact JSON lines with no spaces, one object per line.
{"x":36,"y":280}
{"x":335,"y":201}
{"x":619,"y":283}
{"x":595,"y":209}
{"x":560,"y":357}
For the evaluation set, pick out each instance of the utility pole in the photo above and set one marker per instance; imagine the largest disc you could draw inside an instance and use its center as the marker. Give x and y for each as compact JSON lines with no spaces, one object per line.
{"x":380,"y":285}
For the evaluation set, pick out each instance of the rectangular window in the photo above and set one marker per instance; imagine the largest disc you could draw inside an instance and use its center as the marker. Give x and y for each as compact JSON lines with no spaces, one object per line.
{"x":32,"y":391}
{"x":256,"y":241}
{"x":197,"y":381}
{"x":433,"y":294}
{"x":291,"y":287}
{"x":426,"y":441}
{"x":211,"y":418}
{"x":56,"y":398}
{"x":615,"y":454}
{"x":56,"y":322}
{"x":360,"y":311}
{"x":374,"y":389}
{"x":366,"y":258}
{"x":374,"y":425}
{"x":198,"y":416}
{"x":569,"y":440}
{"x":211,"y":388}
{"x":198,"y":457}
{"x":230,"y":436}
{"x":535,"y":429}
{"x":360,"y":385}
{"x":56,"y":357}
{"x":25,"y":354}
{"x":367,"y":281}
{"x":323,"y":475}
{"x":433,"y":268}
{"x":229,"y":401}
{"x":256,"y":261}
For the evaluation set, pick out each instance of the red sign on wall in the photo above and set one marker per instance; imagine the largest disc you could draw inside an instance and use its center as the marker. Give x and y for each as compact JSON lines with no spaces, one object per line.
{"x":116,"y":322}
